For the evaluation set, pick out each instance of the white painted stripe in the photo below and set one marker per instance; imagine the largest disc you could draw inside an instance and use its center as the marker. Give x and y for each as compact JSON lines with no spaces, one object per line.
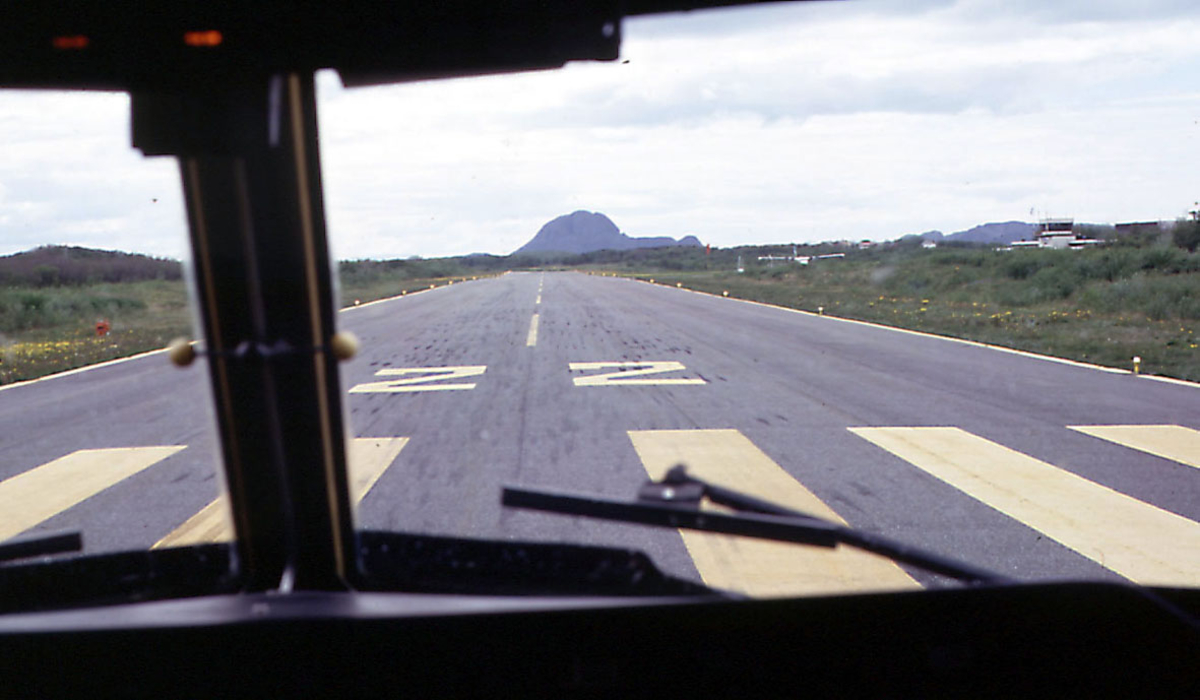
{"x":754,"y":566}
{"x":626,"y":371}
{"x":78,"y":370}
{"x":1173,"y":442}
{"x":924,"y":334}
{"x":368,"y":459}
{"x":1135,"y":539}
{"x":386,"y":299}
{"x":418,"y":379}
{"x":963,"y":341}
{"x":40,"y":493}
{"x":531,"y":339}
{"x":1169,"y":380}
{"x":119,"y":360}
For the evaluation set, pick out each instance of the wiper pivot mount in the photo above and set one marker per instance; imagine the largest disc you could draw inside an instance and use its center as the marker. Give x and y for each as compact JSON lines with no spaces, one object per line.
{"x":675,"y":502}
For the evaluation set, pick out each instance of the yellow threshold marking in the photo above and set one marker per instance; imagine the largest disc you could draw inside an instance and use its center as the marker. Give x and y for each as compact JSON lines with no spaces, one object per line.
{"x":369,"y":459}
{"x":417,"y":379}
{"x":758,"y":567}
{"x":626,"y":371}
{"x":1137,"y":540}
{"x":40,"y":493}
{"x":1173,"y":442}
{"x":531,"y":339}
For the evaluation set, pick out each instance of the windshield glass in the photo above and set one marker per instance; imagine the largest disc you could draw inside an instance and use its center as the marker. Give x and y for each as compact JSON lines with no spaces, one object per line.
{"x":99,"y":434}
{"x":926,"y":269}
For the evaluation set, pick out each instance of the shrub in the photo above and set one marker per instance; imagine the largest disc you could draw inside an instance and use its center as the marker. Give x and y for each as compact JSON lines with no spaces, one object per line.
{"x":1186,"y":235}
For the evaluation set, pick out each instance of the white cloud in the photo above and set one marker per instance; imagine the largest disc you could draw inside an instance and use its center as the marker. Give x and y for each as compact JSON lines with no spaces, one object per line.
{"x":69,"y":176}
{"x":773,"y":124}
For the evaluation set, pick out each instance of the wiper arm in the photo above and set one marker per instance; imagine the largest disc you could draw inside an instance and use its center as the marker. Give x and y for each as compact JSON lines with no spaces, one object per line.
{"x":40,"y":546}
{"x":675,"y":502}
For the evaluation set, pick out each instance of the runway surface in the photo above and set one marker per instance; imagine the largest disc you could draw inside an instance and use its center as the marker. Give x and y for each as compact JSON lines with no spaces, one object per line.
{"x":1032,"y":468}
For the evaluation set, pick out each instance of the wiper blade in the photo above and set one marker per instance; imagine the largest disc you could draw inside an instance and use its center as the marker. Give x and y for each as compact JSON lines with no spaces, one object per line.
{"x":41,"y":545}
{"x":675,"y":502}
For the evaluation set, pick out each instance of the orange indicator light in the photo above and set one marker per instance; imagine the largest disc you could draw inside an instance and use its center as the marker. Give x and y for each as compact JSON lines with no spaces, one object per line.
{"x":70,"y":43}
{"x":203,"y":39}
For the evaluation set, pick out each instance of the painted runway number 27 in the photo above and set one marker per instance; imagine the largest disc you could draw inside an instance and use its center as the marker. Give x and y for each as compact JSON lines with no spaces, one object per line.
{"x":631,"y":373}
{"x":414,"y":379}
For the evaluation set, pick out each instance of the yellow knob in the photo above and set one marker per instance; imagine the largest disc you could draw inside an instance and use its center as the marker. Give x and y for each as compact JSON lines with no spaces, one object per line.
{"x":344,"y":345}
{"x":181,"y":352}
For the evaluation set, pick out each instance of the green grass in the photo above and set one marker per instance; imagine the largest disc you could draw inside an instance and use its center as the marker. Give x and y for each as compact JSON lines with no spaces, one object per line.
{"x":51,"y":329}
{"x":44,"y":330}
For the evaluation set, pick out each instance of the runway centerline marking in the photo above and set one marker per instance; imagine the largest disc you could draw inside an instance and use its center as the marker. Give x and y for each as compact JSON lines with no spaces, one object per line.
{"x":1135,"y":539}
{"x":368,"y":459}
{"x":40,"y":493}
{"x":631,"y":373}
{"x":1173,"y":442}
{"x":757,"y":567}
{"x":531,"y":339}
{"x":417,"y":379}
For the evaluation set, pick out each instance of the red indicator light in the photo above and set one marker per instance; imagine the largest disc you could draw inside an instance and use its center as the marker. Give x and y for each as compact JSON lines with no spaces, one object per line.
{"x":203,"y":39}
{"x":76,"y":42}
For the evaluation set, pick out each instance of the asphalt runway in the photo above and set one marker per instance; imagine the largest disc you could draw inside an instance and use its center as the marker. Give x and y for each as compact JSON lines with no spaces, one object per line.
{"x":1032,"y":468}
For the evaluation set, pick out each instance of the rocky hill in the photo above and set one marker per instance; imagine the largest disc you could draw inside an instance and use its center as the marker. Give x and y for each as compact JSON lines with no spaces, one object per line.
{"x":1005,"y":232}
{"x":585,"y":231}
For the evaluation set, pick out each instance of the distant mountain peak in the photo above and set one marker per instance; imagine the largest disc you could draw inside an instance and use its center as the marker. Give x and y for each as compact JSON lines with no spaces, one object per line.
{"x":1003,"y":232}
{"x":585,"y":231}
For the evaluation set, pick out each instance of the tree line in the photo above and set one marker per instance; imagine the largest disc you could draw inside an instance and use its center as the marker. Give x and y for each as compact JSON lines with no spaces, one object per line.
{"x":56,"y":266}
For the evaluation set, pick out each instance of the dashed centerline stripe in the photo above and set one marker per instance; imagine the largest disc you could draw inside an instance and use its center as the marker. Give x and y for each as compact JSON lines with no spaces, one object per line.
{"x":40,"y":493}
{"x":1137,"y":540}
{"x":369,"y":458}
{"x":757,"y":567}
{"x":531,"y":339}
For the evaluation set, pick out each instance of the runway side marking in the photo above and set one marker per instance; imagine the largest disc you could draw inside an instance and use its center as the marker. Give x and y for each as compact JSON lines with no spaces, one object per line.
{"x":963,"y":341}
{"x":40,"y":493}
{"x":369,"y":459}
{"x":626,"y":371}
{"x":160,"y":351}
{"x":1173,"y":442}
{"x":752,"y":566}
{"x":414,"y":379}
{"x":531,"y":339}
{"x":1137,"y":540}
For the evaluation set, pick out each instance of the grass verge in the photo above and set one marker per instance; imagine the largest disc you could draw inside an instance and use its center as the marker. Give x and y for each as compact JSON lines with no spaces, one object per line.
{"x":44,"y":330}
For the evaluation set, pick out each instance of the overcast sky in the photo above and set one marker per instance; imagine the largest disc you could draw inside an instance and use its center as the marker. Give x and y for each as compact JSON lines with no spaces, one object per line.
{"x":795,"y":122}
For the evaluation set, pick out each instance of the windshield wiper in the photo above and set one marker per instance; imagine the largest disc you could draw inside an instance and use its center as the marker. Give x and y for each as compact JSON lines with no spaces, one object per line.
{"x":675,"y":502}
{"x":40,"y":546}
